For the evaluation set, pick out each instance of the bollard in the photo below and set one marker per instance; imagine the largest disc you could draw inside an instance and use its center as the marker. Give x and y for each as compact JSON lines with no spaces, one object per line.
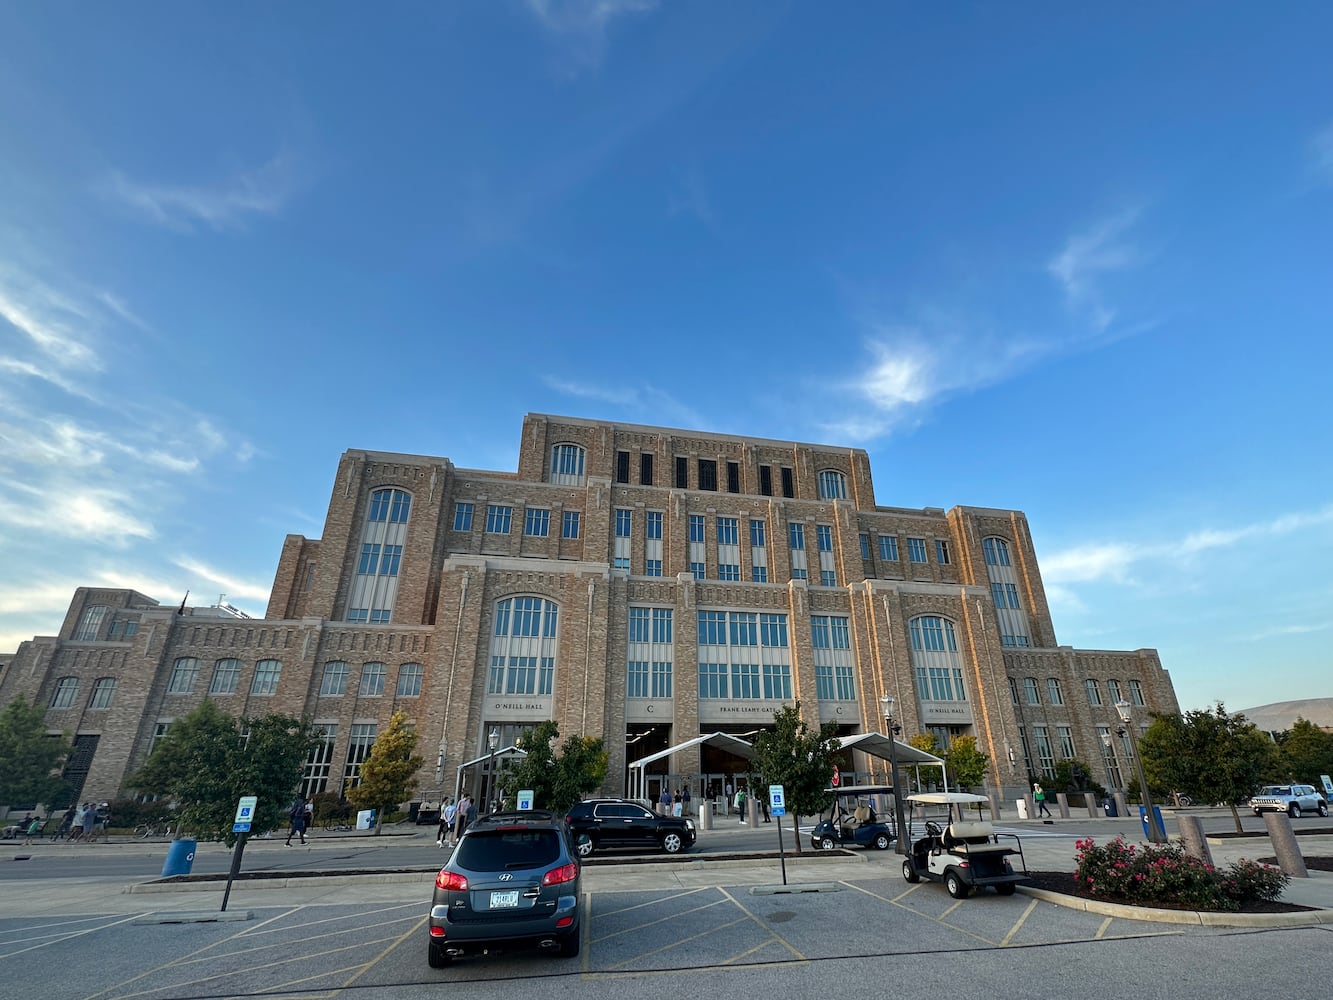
{"x":1121,"y":809}
{"x":1094,"y":808}
{"x":1062,"y":805}
{"x":1289,"y":856}
{"x":1193,"y":840}
{"x":705,"y":814}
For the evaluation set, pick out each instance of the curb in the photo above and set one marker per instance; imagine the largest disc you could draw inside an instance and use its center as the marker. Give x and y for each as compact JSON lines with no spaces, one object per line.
{"x":1200,"y":918}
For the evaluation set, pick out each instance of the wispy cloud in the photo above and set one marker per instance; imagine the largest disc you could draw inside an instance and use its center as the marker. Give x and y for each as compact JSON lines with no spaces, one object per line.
{"x":45,"y":328}
{"x":581,"y":26}
{"x":1321,"y":149}
{"x":639,"y":401}
{"x":1089,"y":257}
{"x":232,"y":587}
{"x":224,"y":205}
{"x":68,"y":510}
{"x":1279,"y":632}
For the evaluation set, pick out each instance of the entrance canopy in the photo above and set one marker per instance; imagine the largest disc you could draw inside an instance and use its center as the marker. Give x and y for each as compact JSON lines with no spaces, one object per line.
{"x":503,"y":753}
{"x":886,"y":748}
{"x":638,"y":787}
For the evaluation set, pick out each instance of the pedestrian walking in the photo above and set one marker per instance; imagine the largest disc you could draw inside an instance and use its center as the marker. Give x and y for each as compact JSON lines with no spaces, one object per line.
{"x":1039,"y":797}
{"x":297,"y":818}
{"x":685,"y":800}
{"x":664,"y":801}
{"x":31,"y":825}
{"x":445,"y":833}
{"x":462,"y":816}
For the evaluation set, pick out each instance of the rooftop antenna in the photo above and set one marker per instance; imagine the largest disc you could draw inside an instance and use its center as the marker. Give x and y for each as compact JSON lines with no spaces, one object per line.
{"x":181,"y":609}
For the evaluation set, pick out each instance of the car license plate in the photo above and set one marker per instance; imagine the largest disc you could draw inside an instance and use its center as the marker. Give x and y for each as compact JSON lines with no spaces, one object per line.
{"x":500,"y":900}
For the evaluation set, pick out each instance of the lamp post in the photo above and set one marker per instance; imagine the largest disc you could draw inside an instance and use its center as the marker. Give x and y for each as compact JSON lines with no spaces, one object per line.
{"x":492,"y":741}
{"x":900,"y":830}
{"x":1155,"y":832}
{"x":1107,"y":754}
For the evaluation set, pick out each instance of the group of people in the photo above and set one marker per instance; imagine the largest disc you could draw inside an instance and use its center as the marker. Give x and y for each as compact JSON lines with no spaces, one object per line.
{"x":454,"y":819}
{"x":673,"y":803}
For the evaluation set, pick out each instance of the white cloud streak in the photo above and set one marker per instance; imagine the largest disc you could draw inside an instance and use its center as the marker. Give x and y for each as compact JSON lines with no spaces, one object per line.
{"x":223,"y":206}
{"x":232,"y":587}
{"x":581,"y":26}
{"x":1090,"y":256}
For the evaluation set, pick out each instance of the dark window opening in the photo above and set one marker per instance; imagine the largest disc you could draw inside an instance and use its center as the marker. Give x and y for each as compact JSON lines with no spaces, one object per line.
{"x":733,"y":477}
{"x":708,"y":474}
{"x":766,"y":480}
{"x":622,"y":467}
{"x":682,"y":472}
{"x":80,"y":763}
{"x":788,"y":483}
{"x":646,"y":469}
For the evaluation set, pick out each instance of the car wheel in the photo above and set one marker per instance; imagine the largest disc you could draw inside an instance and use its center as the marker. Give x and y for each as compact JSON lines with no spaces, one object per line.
{"x":436,"y":956}
{"x":958,"y":889}
{"x":1295,"y":810}
{"x":881,"y":841}
{"x":1323,"y":809}
{"x":826,"y":843}
{"x":1005,"y":890}
{"x":909,"y":872}
{"x":584,"y":845}
{"x":672,"y":843}
{"x":1258,"y":812}
{"x":569,"y":945}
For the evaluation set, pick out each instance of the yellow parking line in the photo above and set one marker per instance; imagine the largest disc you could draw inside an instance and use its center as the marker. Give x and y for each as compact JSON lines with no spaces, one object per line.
{"x":1004,"y":941}
{"x":659,"y":899}
{"x":1103,"y":928}
{"x":359,"y":917}
{"x":677,"y":943}
{"x":777,"y":937}
{"x":61,"y":938}
{"x":893,"y":901}
{"x":661,"y":920}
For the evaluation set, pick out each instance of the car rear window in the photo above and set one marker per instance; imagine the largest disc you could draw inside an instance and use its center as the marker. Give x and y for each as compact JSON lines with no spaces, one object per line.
{"x":506,"y":850}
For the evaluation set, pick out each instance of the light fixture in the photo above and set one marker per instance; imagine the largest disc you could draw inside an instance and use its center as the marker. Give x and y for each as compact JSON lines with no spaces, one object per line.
{"x":900,"y":830}
{"x":1154,"y":820}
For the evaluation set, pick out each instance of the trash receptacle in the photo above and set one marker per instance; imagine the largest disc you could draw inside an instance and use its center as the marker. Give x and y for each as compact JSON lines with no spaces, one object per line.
{"x":1157,"y":815}
{"x":1109,"y":806}
{"x":180,"y":858}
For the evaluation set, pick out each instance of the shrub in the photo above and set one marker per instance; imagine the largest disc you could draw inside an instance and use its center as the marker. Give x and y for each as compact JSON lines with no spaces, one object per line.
{"x":1164,"y":875}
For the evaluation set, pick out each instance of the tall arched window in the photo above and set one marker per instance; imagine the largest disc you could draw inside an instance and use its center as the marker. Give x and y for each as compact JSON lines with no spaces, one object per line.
{"x":523,"y":645}
{"x":90,"y":624}
{"x":334,"y":681}
{"x":226,"y":675}
{"x":832,"y":485}
{"x":567,"y":464}
{"x":375,"y":586}
{"x":1004,"y":591}
{"x":372,"y":680}
{"x":939,"y":674}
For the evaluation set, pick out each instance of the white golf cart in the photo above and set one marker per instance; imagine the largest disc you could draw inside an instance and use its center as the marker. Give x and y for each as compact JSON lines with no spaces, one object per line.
{"x":962,"y":852}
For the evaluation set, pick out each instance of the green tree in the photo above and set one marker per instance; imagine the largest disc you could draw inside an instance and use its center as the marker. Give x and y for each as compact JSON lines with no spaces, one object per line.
{"x":557,"y":780}
{"x":387,"y":771}
{"x":965,"y":761}
{"x":30,"y":760}
{"x":1305,"y":752}
{"x":1212,"y":756}
{"x":208,"y":760}
{"x":798,"y":758}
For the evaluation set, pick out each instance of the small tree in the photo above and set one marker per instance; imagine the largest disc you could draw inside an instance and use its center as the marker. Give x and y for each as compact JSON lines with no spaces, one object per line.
{"x":557,"y":780}
{"x":387,"y":771}
{"x":966,"y":762}
{"x":30,"y":760}
{"x":799,"y":759}
{"x":1211,"y":756}
{"x":208,"y":760}
{"x":1305,"y":752}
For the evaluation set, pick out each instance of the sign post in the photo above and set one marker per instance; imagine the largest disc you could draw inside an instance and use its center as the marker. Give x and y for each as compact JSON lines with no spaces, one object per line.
{"x":245,"y":816}
{"x":777,"y":805}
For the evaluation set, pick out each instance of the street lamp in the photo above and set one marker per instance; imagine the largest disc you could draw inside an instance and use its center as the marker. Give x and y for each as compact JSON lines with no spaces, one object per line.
{"x":901,"y":828}
{"x":1109,"y":755}
{"x":492,"y":741}
{"x":1155,"y":832}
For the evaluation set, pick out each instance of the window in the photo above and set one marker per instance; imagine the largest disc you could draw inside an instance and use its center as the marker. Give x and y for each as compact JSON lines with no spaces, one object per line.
{"x":832,"y":485}
{"x":90,"y":624}
{"x":708,"y":474}
{"x":498,"y":517}
{"x":160,"y":730}
{"x":624,"y":525}
{"x":104,"y":689}
{"x":728,"y":549}
{"x":652,"y":526}
{"x":727,"y":531}
{"x":183,"y":675}
{"x":865,"y":546}
{"x":1013,"y":690}
{"x":916,"y":550}
{"x":523,"y":647}
{"x":888,"y":548}
{"x":743,"y":655}
{"x":766,"y":480}
{"x":1053,"y":693}
{"x":796,"y":532}
{"x":226,"y":677}
{"x":996,"y":551}
{"x":462,"y":517}
{"x":796,"y":539}
{"x":1094,"y":694}
{"x":1004,"y":590}
{"x":316,"y":776}
{"x":409,"y":680}
{"x":1030,"y":686}
{"x":824,"y":537}
{"x":940,"y":684}
{"x":334,"y":682}
{"x":622,"y":467}
{"x":650,"y":653}
{"x":942,"y":552}
{"x":571,"y":524}
{"x":682,"y":472}
{"x":646,"y":469}
{"x":697,"y":549}
{"x":696,"y":527}
{"x":828,"y":576}
{"x":831,"y":638}
{"x":733,"y":477}
{"x":757,"y":534}
{"x":1044,"y":755}
{"x":1113,"y":690}
{"x":624,"y":522}
{"x":267,"y":673}
{"x":537,"y":522}
{"x":1066,"y":738}
{"x":360,"y":741}
{"x":1136,"y":693}
{"x":375,"y":587}
{"x":931,"y":633}
{"x":652,"y":534}
{"x":758,"y":551}
{"x":372,"y":680}
{"x":788,"y":483}
{"x":567,"y":462}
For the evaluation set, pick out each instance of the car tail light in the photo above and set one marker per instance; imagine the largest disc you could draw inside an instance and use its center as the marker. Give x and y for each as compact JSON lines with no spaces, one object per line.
{"x":451,"y":880}
{"x":557,"y":876}
{"x":564,"y":921}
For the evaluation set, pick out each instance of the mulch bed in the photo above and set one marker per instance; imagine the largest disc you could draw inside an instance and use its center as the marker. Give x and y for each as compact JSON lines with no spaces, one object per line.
{"x":1064,"y":882}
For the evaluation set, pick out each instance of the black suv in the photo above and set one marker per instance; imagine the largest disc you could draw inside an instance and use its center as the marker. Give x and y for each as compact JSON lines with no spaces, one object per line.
{"x":601,"y":823}
{"x":512,"y":881}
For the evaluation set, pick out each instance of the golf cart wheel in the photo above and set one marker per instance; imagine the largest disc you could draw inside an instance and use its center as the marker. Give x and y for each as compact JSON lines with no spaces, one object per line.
{"x":882,"y":841}
{"x":958,"y":889}
{"x":1005,"y":890}
{"x":909,"y":871}
{"x":826,"y":843}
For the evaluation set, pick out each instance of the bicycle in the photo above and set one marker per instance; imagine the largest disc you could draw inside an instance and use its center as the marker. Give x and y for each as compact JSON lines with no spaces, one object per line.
{"x":145,"y":831}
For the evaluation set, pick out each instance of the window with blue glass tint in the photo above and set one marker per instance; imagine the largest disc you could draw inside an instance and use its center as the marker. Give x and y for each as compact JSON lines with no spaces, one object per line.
{"x":865,"y":546}
{"x":796,"y":532}
{"x":996,"y":551}
{"x":729,"y":571}
{"x":370,"y":559}
{"x":930,"y":632}
{"x":696,"y":527}
{"x":832,"y":485}
{"x":267,"y":675}
{"x":727,"y":531}
{"x":498,"y":518}
{"x":759,"y":574}
{"x":828,"y":578}
{"x":653,"y":524}
{"x":624,"y":522}
{"x":637,"y":680}
{"x":1030,"y":687}
{"x":389,"y":561}
{"x":888,"y":548}
{"x":757,"y":534}
{"x":824,"y":537}
{"x":571,"y":526}
{"x":392,"y":506}
{"x":652,"y":567}
{"x":699,"y":570}
{"x":462,"y":517}
{"x":537,"y":522}
{"x":567,"y":465}
{"x":942,"y":552}
{"x":334,"y":682}
{"x":409,"y":680}
{"x":916,"y":550}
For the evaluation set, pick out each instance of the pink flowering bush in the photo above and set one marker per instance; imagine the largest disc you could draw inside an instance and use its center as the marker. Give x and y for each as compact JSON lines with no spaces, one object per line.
{"x":1164,"y":875}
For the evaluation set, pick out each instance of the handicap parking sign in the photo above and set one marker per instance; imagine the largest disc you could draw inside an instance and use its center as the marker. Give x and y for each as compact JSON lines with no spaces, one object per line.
{"x":777,"y":800}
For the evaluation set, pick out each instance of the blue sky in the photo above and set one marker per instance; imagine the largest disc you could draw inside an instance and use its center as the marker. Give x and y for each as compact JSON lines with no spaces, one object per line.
{"x":1075,"y":262}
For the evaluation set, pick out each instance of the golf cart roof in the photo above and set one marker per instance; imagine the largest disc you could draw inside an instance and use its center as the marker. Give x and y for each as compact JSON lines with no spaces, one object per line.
{"x":860,"y":790}
{"x":948,"y":798}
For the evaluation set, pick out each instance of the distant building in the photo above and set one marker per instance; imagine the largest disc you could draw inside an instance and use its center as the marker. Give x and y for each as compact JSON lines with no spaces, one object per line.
{"x":1280,"y":716}
{"x":640,"y":584}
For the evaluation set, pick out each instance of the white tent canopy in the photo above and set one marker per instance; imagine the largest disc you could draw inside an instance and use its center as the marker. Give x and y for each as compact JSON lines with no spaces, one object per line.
{"x":638,"y":788}
{"x":881,"y":746}
{"x":500,"y":754}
